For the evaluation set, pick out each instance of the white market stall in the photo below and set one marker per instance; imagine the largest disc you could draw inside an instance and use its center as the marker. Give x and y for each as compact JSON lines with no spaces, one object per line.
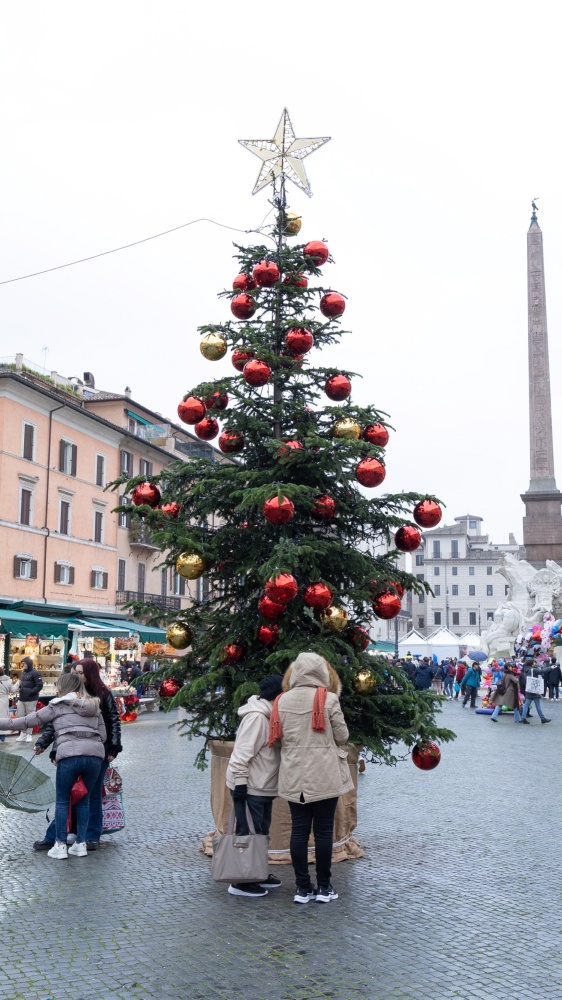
{"x":471,"y":640}
{"x":415,"y":643}
{"x":443,"y":643}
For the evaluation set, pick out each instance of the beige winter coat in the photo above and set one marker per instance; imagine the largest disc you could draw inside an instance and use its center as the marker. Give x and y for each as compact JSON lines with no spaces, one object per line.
{"x":7,"y":687}
{"x":313,"y":765}
{"x":252,"y":762}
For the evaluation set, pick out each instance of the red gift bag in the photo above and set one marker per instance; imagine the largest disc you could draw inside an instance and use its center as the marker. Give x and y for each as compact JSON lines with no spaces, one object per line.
{"x":77,"y":793}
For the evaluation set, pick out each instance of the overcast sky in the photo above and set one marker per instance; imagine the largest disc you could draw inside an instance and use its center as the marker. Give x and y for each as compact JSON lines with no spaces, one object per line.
{"x":121,"y":119}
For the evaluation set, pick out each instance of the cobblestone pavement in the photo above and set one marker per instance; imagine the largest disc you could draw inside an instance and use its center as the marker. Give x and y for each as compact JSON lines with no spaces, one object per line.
{"x":458,"y":895}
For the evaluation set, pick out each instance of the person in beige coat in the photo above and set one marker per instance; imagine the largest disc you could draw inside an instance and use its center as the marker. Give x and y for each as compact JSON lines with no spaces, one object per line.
{"x":309,"y":723}
{"x":7,"y":687}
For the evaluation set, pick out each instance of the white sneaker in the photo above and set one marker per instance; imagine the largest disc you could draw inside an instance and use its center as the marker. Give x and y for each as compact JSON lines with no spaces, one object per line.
{"x":78,"y":850}
{"x":58,"y":851}
{"x":29,"y":738}
{"x":21,"y":737}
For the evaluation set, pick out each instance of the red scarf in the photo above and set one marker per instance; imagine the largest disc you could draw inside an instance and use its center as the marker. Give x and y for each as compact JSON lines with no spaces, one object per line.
{"x":318,"y":721}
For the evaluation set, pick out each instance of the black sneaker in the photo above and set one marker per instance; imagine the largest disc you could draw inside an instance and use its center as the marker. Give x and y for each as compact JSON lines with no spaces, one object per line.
{"x":304,"y":893}
{"x":271,"y":882}
{"x":92,"y":845}
{"x":545,"y":720}
{"x":325,"y":894}
{"x":246,"y":889}
{"x":43,"y":845}
{"x":525,"y":722}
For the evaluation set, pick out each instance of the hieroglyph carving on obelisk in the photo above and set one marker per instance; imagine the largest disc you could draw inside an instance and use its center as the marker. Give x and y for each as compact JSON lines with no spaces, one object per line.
{"x":540,"y":415}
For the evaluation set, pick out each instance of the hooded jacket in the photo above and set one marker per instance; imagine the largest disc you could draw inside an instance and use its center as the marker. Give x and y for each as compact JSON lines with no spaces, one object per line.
{"x":79,"y":726}
{"x":31,"y":683}
{"x":112,"y":722}
{"x":313,"y":764}
{"x":253,"y":762}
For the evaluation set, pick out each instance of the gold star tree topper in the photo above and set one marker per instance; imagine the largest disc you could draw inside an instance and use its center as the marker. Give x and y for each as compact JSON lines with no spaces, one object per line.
{"x":283,"y":155}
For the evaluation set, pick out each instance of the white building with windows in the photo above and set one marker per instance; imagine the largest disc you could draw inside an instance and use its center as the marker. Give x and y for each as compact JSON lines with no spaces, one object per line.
{"x":460,"y":564}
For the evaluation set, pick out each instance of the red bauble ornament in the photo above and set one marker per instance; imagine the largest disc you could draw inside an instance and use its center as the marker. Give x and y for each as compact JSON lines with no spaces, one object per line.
{"x":146,"y":493}
{"x":338,"y":387}
{"x":272,"y":610}
{"x":427,"y":513}
{"x":276,"y":512}
{"x":243,"y":283}
{"x":191,"y":410}
{"x":287,"y":447}
{"x":370,"y":472}
{"x":358,"y":637}
{"x":171,"y":509}
{"x":318,"y":596}
{"x":324,"y":508}
{"x":168,"y":689}
{"x":282,"y":588}
{"x":231,"y":444}
{"x":233,"y":653}
{"x":398,"y":588}
{"x":407,"y":538}
{"x":290,"y":360}
{"x":426,"y":756}
{"x":243,"y":306}
{"x":266,"y":273}
{"x":268,"y":634}
{"x":207,"y":428}
{"x":376,"y":434}
{"x":217,"y":401}
{"x":299,"y":341}
{"x":296,"y":281}
{"x":317,"y":252}
{"x":332,"y":304}
{"x":386,"y":605}
{"x":256,"y":372}
{"x":239,"y":358}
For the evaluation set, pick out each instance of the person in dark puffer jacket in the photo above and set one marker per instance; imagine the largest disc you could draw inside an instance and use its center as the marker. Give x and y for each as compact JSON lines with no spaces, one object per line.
{"x":30,"y":685}
{"x":89,"y":671}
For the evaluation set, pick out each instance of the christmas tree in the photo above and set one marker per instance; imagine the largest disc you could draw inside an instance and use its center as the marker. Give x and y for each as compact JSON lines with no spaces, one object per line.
{"x":282,"y":533}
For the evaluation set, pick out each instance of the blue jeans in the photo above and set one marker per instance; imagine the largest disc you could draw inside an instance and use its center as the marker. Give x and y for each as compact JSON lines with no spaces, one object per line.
{"x":68,"y":770}
{"x":448,"y":686}
{"x":93,"y":831}
{"x":516,"y":713}
{"x":537,"y":703}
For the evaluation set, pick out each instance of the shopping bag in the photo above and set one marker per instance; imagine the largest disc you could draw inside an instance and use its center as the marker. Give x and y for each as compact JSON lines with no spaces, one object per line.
{"x":240,"y":858}
{"x":113,"y":782}
{"x":534,"y":685}
{"x":77,"y":793}
{"x":112,"y":813}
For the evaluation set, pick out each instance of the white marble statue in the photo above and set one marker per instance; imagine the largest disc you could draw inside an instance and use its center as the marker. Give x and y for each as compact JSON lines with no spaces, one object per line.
{"x":532,"y":594}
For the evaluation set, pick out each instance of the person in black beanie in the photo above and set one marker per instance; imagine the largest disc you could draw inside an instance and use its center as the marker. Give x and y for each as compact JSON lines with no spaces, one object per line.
{"x":251,"y":774}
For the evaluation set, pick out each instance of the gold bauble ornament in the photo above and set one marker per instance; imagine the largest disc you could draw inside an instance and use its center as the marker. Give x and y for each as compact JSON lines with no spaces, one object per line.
{"x":178,"y":635}
{"x":334,"y":618}
{"x":364,"y":680}
{"x":348,"y":429}
{"x":213,"y":347}
{"x":190,"y":565}
{"x":293,"y":223}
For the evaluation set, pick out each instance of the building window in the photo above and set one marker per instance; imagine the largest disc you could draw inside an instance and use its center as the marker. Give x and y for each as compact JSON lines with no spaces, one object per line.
{"x":437,"y":590}
{"x":454,"y":549}
{"x":455,"y":590}
{"x":436,"y":571}
{"x":178,"y":584}
{"x":436,"y":617}
{"x":145,"y":468}
{"x":25,"y":568}
{"x":126,"y":463}
{"x":506,"y":589}
{"x":28,"y":443}
{"x":121,"y":570}
{"x":98,"y":526}
{"x":472,"y":590}
{"x":454,"y":570}
{"x":471,"y":570}
{"x":64,"y":517}
{"x":64,"y":573}
{"x":421,"y":598}
{"x":141,"y":577}
{"x":489,"y":616}
{"x":472,"y":525}
{"x":489,"y":570}
{"x":489,"y":590}
{"x":437,"y":550}
{"x":98,"y":579}
{"x":26,"y":497}
{"x":419,"y":560}
{"x":100,"y":470}
{"x":68,"y":453}
{"x":421,"y":622}
{"x":124,"y":518}
{"x":456,"y":618}
{"x":472,"y":617}
{"x":164,"y":583}
{"x":419,"y":576}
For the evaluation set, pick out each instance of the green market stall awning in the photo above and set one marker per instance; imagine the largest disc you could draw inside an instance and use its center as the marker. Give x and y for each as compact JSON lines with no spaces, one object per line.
{"x":381,"y":647}
{"x":146,"y":633}
{"x":102,"y":630}
{"x":19,"y":625}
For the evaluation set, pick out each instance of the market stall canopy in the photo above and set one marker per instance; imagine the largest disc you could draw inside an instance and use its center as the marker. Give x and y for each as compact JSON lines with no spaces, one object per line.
{"x":146,"y":633}
{"x":415,"y":643}
{"x":471,"y":640}
{"x":443,"y":643}
{"x":20,"y":625}
{"x":99,"y":629}
{"x":380,"y":646}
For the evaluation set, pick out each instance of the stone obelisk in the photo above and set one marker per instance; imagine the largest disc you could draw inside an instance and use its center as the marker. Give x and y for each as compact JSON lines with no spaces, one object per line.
{"x":542,"y":524}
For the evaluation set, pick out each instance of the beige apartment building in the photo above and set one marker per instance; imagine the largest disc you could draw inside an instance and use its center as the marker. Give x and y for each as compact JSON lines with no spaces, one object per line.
{"x":61,"y":543}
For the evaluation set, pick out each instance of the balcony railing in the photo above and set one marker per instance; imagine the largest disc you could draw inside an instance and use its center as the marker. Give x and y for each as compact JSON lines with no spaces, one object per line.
{"x":194,"y":449}
{"x":166,"y":603}
{"x":141,"y":536}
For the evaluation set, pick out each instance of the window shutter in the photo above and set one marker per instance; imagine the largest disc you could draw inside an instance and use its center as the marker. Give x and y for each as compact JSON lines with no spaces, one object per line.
{"x":93,"y":578}
{"x":71,"y":574}
{"x":28,"y":442}
{"x":73,"y":458}
{"x":104,"y":580}
{"x":33,"y":570}
{"x":182,"y":586}
{"x":57,"y":572}
{"x":100,"y":470}
{"x":17,"y":567}
{"x":62,"y":455}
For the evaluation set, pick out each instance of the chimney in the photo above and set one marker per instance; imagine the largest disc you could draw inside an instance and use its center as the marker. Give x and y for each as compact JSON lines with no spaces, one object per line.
{"x":127,"y":392}
{"x":19,"y":362}
{"x":89,"y":380}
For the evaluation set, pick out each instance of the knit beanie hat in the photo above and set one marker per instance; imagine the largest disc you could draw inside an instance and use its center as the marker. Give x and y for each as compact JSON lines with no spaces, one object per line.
{"x":270,"y":687}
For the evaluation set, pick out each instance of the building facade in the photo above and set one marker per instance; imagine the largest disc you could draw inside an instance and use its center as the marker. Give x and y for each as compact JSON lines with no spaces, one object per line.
{"x":461,"y":565}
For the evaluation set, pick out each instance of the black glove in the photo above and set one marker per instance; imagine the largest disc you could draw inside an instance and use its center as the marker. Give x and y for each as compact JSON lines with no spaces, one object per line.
{"x":239,"y":794}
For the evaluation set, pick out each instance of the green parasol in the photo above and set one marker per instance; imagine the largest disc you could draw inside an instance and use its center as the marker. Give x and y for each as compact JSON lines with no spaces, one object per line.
{"x":22,"y":785}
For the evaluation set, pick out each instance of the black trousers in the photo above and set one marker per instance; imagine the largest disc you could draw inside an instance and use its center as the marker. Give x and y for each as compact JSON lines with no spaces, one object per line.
{"x":318,"y":817}
{"x":260,"y":807}
{"x":471,"y":693}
